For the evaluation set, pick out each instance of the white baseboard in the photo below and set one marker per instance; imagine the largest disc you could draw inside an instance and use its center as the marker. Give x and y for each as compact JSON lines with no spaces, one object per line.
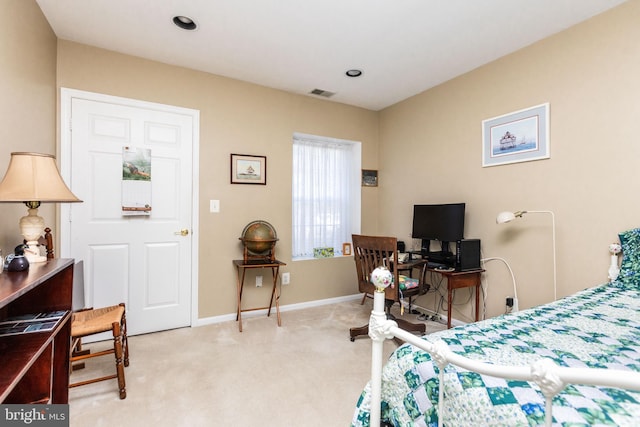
{"x":283,"y":308}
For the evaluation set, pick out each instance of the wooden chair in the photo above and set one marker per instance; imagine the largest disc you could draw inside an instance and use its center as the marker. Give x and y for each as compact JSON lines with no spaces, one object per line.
{"x":95,"y":321}
{"x":47,"y":242}
{"x":370,"y":252}
{"x":91,"y":321}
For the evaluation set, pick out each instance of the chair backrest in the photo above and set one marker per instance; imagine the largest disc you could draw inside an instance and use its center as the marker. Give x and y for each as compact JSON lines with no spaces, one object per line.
{"x":47,"y":242}
{"x":370,"y":252}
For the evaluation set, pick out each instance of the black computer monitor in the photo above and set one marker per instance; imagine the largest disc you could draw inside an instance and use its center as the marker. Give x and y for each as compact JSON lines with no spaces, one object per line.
{"x":443,"y":222}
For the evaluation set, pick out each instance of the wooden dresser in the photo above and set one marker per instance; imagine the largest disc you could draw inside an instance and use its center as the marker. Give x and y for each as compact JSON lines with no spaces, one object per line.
{"x":34,"y":366}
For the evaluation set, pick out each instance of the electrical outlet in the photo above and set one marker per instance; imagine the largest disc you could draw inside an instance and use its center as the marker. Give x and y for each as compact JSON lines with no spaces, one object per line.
{"x":509,"y":302}
{"x":285,"y":278}
{"x":258,"y":281}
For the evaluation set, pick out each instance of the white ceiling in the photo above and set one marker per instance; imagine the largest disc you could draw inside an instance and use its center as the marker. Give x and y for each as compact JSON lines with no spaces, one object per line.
{"x":403,"y":46}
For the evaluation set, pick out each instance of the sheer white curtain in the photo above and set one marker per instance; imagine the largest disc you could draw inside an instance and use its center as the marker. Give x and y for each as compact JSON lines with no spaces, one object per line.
{"x":324,"y":194}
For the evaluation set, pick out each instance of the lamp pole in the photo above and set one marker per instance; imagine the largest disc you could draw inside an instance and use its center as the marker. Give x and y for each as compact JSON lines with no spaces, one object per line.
{"x":510,"y":216}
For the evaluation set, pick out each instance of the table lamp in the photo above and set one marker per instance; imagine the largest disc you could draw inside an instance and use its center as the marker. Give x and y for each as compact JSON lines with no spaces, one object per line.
{"x":32,"y":179}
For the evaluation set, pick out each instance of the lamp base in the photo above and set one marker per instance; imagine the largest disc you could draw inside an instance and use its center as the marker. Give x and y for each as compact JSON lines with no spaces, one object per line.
{"x":32,"y":254}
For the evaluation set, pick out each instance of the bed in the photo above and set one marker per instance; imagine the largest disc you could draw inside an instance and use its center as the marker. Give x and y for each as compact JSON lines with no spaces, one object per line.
{"x":573,"y":362}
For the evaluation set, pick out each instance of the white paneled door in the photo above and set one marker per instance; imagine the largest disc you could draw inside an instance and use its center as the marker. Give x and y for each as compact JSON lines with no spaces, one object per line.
{"x":143,"y":260}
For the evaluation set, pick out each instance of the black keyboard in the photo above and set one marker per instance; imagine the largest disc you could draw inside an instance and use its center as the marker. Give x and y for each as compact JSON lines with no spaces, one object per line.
{"x":436,"y":265}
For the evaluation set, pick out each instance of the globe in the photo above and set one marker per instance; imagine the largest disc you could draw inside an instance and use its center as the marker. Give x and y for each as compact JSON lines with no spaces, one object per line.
{"x":259,"y":239}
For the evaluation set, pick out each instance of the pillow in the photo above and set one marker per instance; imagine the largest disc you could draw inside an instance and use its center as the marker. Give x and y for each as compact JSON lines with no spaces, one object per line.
{"x":408,"y":282}
{"x":630,"y":267}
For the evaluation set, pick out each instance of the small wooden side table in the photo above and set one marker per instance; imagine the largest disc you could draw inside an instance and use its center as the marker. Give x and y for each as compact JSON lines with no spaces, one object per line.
{"x":457,"y":280}
{"x":241,"y":268}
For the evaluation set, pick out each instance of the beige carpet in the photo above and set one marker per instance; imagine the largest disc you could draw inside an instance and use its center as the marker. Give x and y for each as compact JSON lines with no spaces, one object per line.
{"x":305,"y":373}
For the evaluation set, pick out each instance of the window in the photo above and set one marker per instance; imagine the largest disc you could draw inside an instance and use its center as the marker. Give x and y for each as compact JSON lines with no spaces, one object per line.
{"x":326,"y":193}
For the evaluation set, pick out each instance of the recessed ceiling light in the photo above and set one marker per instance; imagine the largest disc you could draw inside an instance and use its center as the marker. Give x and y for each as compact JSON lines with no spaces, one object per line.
{"x":354,"y":73}
{"x":184,"y":22}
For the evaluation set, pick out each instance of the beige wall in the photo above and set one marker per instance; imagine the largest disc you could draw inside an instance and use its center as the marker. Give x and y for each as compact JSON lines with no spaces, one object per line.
{"x":429,"y":149}
{"x":27,"y":99}
{"x":589,"y":75}
{"x":237,"y":117}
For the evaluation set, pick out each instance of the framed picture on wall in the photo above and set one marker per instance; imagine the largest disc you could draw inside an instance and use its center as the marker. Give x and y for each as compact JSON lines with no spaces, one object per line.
{"x":520,"y":136}
{"x":248,"y":169}
{"x":369,"y":178}
{"x":346,"y":249}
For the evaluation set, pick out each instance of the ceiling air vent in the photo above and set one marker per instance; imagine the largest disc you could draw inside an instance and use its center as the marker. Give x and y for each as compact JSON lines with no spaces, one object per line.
{"x":321,"y":92}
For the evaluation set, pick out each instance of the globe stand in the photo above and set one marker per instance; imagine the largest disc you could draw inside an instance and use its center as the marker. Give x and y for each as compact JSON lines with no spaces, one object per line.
{"x":268,"y":255}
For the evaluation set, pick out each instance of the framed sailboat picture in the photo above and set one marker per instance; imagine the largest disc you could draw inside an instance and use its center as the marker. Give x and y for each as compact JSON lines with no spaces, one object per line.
{"x":248,"y":169}
{"x":520,"y":136}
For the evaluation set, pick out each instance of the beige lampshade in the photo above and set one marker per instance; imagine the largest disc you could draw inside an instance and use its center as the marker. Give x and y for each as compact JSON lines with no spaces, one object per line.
{"x":34,"y":177}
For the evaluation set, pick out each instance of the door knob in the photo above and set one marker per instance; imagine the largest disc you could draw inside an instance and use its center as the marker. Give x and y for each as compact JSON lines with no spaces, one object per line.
{"x":183,"y":232}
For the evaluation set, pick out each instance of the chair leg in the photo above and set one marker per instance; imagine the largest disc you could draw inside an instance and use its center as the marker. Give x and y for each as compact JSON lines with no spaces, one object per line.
{"x":76,"y":350}
{"x":358,"y":331}
{"x":117,"y":348}
{"x":125,"y":339}
{"x":364,"y":297}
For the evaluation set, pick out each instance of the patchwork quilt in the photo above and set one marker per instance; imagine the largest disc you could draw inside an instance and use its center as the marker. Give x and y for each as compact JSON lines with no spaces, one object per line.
{"x":595,"y":328}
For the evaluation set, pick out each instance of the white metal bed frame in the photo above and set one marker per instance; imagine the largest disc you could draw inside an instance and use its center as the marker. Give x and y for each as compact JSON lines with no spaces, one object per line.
{"x":550,"y":377}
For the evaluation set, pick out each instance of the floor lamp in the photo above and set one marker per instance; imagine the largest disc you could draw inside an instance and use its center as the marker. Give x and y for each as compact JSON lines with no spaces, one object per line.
{"x":504,"y":217}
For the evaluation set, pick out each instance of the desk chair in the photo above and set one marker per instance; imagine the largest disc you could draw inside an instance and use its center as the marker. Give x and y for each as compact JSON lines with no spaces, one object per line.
{"x":370,"y":252}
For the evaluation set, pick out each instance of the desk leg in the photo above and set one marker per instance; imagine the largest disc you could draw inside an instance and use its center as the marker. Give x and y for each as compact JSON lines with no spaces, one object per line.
{"x":478,"y":298}
{"x":449,"y":301}
{"x":239,"y":284}
{"x":274,"y":271}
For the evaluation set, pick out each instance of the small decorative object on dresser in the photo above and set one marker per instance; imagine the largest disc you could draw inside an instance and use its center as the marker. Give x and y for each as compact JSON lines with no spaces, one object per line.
{"x":17,"y":261}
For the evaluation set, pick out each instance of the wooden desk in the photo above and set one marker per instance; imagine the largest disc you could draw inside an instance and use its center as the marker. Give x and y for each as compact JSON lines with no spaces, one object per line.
{"x":457,"y":280}
{"x":241,"y":268}
{"x":409,"y":265}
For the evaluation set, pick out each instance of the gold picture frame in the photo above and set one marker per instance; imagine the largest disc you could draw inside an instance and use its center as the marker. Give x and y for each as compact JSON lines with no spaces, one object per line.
{"x":346,"y":249}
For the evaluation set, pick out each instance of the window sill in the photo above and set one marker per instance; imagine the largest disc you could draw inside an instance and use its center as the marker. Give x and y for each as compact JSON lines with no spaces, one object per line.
{"x":319,"y":259}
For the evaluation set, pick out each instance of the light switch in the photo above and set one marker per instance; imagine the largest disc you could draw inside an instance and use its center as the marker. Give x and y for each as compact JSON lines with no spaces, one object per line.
{"x":214,"y":206}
